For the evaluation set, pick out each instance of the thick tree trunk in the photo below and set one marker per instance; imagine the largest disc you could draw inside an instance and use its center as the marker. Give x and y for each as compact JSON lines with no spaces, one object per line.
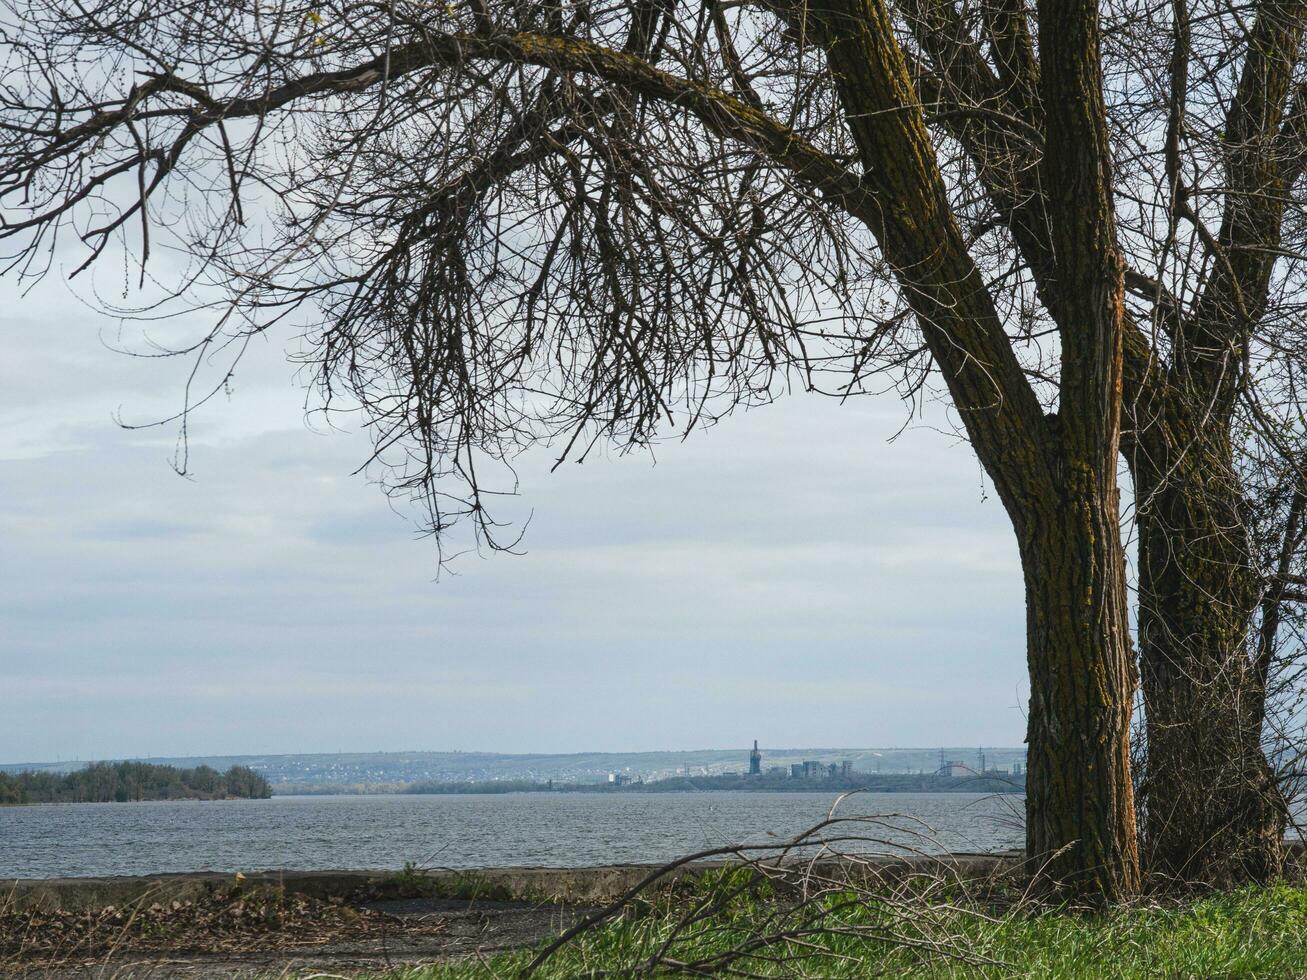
{"x":1056,"y":476}
{"x":1080,"y":816}
{"x":1213,"y":814}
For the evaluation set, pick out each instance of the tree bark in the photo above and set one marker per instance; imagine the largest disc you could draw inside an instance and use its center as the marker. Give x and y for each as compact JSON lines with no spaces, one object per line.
{"x":1055,"y":476}
{"x":1197,"y":642}
{"x":1213,"y":814}
{"x":1080,"y":816}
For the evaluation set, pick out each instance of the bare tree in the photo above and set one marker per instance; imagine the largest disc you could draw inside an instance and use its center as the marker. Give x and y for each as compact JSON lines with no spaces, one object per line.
{"x":1206,"y":109}
{"x":513,"y":222}
{"x":1213,"y":409}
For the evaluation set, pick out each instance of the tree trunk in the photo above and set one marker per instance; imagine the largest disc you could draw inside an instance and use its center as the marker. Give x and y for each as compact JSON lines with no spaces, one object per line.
{"x":1213,"y":814}
{"x":1080,"y":817}
{"x":1055,"y":476}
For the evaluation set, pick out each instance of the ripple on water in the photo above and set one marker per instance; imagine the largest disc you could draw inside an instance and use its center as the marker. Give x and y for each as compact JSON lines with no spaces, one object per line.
{"x":466,"y":831}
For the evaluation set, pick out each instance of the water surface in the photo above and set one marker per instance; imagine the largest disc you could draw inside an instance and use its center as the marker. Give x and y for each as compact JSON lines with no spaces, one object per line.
{"x":472,"y":831}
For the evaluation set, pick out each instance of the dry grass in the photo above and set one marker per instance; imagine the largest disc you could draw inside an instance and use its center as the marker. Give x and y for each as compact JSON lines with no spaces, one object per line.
{"x":234,"y":921}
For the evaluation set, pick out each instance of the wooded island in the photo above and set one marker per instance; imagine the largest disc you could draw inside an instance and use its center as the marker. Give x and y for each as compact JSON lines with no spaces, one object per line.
{"x":122,"y":782}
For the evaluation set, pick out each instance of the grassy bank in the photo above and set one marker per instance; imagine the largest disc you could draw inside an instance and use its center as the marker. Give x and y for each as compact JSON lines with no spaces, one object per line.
{"x":1258,"y":933}
{"x":721,"y":922}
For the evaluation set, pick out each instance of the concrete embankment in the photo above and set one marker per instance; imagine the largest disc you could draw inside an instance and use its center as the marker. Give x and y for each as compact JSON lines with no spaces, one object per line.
{"x":583,"y":886}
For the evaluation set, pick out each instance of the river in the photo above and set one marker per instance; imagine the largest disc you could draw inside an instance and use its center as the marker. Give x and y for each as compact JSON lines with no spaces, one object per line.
{"x":472,"y":831}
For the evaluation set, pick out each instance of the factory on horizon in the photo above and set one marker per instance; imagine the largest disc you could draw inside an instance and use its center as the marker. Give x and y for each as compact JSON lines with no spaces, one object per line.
{"x":808,"y":769}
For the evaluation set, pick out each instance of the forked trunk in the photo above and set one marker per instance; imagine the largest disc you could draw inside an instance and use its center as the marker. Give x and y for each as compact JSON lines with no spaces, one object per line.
{"x":1080,"y":817}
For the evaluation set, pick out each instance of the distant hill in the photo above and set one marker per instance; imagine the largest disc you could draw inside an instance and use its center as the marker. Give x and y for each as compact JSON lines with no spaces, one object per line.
{"x":404,"y":768}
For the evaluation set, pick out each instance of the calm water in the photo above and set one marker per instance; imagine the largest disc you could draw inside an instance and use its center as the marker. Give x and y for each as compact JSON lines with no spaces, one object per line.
{"x":561,"y":830}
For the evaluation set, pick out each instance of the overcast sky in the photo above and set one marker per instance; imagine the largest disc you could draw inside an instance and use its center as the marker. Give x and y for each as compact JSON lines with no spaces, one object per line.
{"x":789,"y":576}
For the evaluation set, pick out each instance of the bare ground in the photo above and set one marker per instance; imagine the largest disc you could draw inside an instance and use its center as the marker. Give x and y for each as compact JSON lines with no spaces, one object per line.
{"x":258,"y":935}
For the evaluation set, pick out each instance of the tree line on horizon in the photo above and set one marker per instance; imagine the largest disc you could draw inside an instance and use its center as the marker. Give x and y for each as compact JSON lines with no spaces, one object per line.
{"x":123,"y":782}
{"x":506,"y":223}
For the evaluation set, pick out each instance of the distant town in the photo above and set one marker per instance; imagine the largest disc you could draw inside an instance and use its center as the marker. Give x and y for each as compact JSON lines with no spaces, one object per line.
{"x":951,"y":775}
{"x":895,"y":769}
{"x":816,"y":769}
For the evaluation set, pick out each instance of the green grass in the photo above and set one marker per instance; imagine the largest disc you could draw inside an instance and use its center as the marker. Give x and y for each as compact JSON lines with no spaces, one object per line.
{"x":415,"y":882}
{"x":1258,"y":933}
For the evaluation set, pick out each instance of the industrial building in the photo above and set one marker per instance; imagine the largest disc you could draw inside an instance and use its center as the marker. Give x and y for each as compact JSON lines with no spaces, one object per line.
{"x":808,"y":769}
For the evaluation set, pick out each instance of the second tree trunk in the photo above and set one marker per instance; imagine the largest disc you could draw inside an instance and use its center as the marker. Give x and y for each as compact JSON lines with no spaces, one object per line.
{"x":1213,"y":814}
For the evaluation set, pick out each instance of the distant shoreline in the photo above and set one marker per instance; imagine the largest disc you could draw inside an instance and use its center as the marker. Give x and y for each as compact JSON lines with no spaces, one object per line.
{"x":396,"y":770}
{"x":993,"y":783}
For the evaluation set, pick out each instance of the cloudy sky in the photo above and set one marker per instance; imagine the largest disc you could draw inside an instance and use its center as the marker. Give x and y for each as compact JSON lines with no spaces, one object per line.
{"x":789,"y":576}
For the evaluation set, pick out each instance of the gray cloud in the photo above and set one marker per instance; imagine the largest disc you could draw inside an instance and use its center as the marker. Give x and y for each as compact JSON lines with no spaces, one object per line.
{"x":787,"y":575}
